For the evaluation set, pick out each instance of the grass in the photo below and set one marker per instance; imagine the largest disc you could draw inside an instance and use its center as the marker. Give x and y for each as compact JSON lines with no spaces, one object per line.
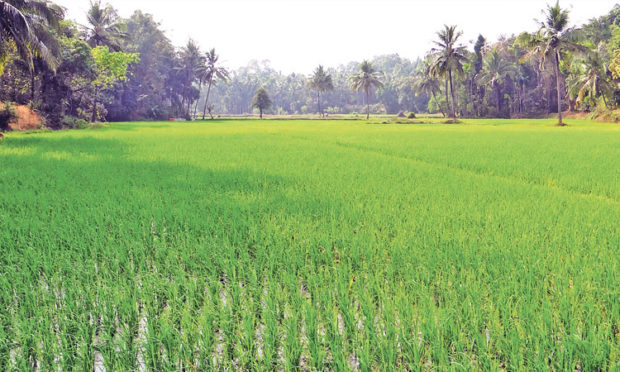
{"x":313,"y":245}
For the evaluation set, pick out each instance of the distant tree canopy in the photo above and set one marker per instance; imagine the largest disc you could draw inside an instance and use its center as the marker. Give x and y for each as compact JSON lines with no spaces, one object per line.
{"x":57,"y":67}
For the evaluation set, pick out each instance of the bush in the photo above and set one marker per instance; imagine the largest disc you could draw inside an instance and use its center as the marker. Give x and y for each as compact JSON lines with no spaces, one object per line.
{"x":603,"y":114}
{"x":72,"y":122}
{"x":7,"y":116}
{"x":411,"y":115}
{"x":96,"y":125}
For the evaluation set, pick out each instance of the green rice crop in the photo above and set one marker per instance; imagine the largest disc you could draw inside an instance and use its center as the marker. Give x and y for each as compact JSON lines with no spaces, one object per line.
{"x":311,"y":245}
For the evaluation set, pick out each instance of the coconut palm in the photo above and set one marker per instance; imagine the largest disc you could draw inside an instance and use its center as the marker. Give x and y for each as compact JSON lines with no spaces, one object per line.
{"x":448,"y":59}
{"x":495,"y":72}
{"x":321,"y":82}
{"x":365,"y":80}
{"x":551,"y":41}
{"x":105,"y":28}
{"x":213,"y":74}
{"x":27,"y":26}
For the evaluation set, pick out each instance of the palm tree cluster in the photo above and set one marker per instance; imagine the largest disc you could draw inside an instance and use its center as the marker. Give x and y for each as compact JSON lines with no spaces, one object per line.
{"x":201,"y":69}
{"x":554,"y":60}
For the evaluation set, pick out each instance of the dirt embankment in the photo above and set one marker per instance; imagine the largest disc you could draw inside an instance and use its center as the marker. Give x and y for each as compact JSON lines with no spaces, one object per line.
{"x":27,"y":119}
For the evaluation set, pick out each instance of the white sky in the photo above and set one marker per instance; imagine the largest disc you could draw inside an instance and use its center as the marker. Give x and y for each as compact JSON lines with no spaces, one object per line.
{"x":297,"y":35}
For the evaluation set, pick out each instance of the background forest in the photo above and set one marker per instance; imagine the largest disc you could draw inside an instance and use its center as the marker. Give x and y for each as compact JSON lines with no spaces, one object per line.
{"x":115,"y":69}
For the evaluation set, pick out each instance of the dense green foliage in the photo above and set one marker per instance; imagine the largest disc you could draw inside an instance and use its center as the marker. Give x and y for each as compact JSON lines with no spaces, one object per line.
{"x":110,"y":69}
{"x":261,"y":101}
{"x":526,"y":75}
{"x":277,"y":245}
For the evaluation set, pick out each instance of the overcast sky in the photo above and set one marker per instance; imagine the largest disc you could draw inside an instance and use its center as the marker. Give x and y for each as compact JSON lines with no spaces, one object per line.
{"x":297,"y":35}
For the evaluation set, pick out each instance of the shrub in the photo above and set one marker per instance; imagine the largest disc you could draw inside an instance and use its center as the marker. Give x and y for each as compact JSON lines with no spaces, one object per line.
{"x":7,"y":116}
{"x":72,"y":122}
{"x":96,"y":125}
{"x":411,"y":115}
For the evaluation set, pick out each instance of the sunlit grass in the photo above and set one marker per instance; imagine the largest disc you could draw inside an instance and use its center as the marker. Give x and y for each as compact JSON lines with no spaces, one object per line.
{"x":311,"y":245}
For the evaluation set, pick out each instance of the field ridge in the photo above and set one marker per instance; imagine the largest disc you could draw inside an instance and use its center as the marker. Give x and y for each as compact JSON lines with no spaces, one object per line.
{"x":518,"y":180}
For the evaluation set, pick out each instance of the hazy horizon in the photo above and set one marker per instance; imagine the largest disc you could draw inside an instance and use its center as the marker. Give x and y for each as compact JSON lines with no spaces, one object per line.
{"x":297,"y":35}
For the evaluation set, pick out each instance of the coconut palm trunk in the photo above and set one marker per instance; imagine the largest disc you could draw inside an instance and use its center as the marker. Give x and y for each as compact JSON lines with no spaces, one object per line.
{"x":605,"y":100}
{"x":32,"y":85}
{"x":557,"y":83}
{"x":197,"y":101}
{"x":447,"y":98}
{"x":94,"y":115}
{"x":498,"y":98}
{"x":318,"y":100}
{"x":367,"y":104}
{"x":453,"y":103}
{"x":204,"y":111}
{"x":438,"y":105}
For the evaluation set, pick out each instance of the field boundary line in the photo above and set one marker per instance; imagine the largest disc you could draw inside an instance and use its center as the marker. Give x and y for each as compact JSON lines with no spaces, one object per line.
{"x":469,"y":171}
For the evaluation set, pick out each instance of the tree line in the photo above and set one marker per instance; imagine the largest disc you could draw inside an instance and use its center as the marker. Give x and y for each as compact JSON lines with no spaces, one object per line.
{"x":119,"y":69}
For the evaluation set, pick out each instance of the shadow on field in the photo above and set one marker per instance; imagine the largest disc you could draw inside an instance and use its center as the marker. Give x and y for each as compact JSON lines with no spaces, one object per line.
{"x":100,"y":169}
{"x":84,"y":145}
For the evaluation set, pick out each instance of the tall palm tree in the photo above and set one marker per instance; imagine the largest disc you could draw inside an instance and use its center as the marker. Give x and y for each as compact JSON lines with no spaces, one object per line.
{"x":320,"y":81}
{"x":551,"y":40}
{"x":448,"y":59}
{"x":495,"y":72}
{"x":213,"y":74}
{"x":105,"y":27}
{"x":27,"y":26}
{"x":366,"y":79}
